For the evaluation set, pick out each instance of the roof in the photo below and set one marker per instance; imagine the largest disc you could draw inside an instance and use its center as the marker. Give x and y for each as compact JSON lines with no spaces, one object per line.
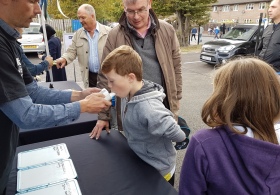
{"x":228,"y":2}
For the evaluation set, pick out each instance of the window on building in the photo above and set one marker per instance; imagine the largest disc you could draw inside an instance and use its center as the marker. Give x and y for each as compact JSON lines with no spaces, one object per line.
{"x":247,"y":21}
{"x":215,"y":8}
{"x":263,"y":20}
{"x":226,"y":8}
{"x":262,"y":5}
{"x":249,"y":6}
{"x":235,"y":7}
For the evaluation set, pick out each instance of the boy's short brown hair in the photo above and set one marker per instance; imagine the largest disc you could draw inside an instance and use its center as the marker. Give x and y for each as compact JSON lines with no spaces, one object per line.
{"x":124,"y":60}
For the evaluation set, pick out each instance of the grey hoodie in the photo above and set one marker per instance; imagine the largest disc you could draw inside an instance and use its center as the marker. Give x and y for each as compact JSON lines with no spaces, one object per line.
{"x":150,"y":127}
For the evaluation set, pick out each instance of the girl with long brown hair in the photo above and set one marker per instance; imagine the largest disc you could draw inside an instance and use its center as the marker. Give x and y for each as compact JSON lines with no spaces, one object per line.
{"x":241,"y":153}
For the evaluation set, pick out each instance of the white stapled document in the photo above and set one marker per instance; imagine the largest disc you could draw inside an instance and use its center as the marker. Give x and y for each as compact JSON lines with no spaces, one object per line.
{"x":35,"y":157}
{"x":45,"y":175}
{"x":69,"y":187}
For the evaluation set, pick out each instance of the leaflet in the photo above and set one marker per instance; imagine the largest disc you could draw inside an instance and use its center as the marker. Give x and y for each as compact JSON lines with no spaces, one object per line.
{"x":30,"y":158}
{"x":69,"y":187}
{"x":45,"y":175}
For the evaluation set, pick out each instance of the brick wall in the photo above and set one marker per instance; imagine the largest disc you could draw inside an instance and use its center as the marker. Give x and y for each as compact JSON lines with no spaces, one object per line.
{"x":242,"y":15}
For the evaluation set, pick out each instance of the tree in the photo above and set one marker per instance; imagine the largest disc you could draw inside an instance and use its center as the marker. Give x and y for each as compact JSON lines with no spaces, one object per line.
{"x":189,"y":12}
{"x":106,"y":10}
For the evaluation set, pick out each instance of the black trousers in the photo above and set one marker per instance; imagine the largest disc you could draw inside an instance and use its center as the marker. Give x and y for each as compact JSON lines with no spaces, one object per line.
{"x":92,"y":78}
{"x":193,"y":36}
{"x":4,"y":192}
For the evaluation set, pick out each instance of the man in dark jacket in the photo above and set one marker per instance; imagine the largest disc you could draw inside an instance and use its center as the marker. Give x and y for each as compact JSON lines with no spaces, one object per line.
{"x":193,"y":31}
{"x":24,"y":104}
{"x":270,"y":43}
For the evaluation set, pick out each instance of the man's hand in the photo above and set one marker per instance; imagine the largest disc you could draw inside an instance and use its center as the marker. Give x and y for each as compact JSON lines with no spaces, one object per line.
{"x":60,"y":63}
{"x":94,"y":103}
{"x":95,"y":133}
{"x":89,"y":91}
{"x":50,"y":61}
{"x":40,"y":56}
{"x":80,"y":95}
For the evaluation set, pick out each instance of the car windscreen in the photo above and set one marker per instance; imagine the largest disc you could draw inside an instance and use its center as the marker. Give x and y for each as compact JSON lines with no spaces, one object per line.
{"x":31,"y":30}
{"x":240,"y":33}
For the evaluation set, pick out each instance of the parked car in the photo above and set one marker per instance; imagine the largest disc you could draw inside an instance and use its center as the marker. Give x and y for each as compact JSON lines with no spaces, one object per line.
{"x":239,"y":41}
{"x":113,"y":24}
{"x":32,"y":40}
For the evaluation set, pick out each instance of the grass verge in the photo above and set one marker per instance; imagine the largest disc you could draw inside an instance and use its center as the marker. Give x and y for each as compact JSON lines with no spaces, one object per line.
{"x":191,"y":48}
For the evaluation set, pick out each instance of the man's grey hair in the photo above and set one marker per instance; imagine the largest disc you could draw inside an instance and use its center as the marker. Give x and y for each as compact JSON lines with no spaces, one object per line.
{"x":131,"y":1}
{"x":88,"y":8}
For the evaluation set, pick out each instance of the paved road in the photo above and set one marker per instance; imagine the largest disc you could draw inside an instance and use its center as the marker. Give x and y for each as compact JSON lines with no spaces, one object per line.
{"x":197,"y":86}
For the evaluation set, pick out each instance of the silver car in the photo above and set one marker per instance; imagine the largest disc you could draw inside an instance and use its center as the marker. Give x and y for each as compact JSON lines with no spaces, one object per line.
{"x":32,"y":40}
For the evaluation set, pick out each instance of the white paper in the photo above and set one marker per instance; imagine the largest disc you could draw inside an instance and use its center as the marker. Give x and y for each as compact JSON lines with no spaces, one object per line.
{"x":45,"y":175}
{"x":38,"y":156}
{"x":70,"y":187}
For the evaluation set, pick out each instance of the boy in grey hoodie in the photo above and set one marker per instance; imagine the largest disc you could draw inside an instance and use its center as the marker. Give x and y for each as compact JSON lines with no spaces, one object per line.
{"x":148,"y":126}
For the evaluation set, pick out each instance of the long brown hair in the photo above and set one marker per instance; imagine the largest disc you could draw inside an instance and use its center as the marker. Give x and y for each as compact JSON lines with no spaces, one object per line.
{"x":246,"y":92}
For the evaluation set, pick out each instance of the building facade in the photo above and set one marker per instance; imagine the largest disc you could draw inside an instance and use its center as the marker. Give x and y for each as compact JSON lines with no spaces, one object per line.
{"x":239,"y":11}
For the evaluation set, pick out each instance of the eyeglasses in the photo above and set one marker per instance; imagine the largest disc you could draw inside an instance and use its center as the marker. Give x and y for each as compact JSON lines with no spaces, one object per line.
{"x":139,"y":11}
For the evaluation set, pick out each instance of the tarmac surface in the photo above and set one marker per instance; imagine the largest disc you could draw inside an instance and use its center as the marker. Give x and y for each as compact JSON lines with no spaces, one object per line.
{"x":205,"y":38}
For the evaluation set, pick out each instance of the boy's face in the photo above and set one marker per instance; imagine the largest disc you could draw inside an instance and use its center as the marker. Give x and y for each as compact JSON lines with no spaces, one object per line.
{"x":121,"y":85}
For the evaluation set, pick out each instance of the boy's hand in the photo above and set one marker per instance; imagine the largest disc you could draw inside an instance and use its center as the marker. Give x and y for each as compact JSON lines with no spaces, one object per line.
{"x":95,"y":133}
